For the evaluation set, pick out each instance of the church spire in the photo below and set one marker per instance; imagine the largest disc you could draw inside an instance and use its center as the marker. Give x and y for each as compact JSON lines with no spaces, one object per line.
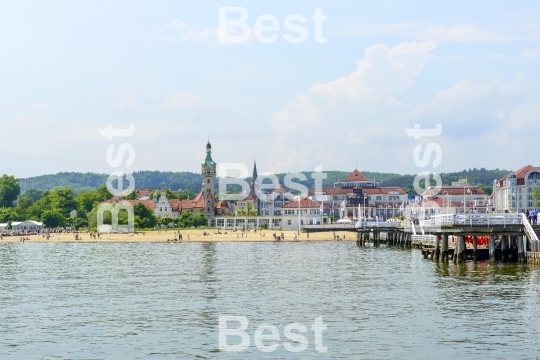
{"x":253,"y":191}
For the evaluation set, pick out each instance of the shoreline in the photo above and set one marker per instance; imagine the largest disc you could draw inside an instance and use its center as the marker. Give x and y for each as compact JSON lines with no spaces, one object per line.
{"x":187,"y":236}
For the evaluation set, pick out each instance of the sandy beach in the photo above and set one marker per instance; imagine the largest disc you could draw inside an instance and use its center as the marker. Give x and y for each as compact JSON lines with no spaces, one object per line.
{"x":187,"y":236}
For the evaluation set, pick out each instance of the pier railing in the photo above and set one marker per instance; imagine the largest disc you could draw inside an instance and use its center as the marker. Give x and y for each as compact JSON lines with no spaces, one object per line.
{"x":377,"y":224}
{"x":472,"y":220}
{"x":424,"y":238}
{"x":528,"y":228}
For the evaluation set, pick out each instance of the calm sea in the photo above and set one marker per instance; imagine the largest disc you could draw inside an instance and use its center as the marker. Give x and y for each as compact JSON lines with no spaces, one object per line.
{"x":163,"y":300}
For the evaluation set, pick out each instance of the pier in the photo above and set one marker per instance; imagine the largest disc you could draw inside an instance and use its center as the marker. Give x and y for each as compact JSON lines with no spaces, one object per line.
{"x":505,"y":237}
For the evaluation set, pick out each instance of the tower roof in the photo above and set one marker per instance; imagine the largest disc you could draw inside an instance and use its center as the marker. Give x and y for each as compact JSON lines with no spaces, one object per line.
{"x":208,"y":160}
{"x":356,"y":176}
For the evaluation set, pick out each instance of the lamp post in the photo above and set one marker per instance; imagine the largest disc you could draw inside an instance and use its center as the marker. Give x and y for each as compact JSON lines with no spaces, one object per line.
{"x":464,"y":203}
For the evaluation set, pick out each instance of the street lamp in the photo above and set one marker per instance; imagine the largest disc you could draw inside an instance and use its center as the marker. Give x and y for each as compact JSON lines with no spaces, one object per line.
{"x":447,"y":201}
{"x":464,"y":203}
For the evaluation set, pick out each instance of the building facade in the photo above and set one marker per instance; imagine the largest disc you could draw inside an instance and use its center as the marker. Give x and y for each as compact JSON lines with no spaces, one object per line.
{"x":514,"y":192}
{"x":384,"y":202}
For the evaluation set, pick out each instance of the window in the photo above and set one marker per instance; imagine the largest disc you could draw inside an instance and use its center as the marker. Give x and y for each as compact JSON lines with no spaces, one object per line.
{"x":301,"y":222}
{"x":378,"y":198}
{"x":160,"y":209}
{"x":208,"y":181}
{"x":165,"y":209}
{"x":289,"y":222}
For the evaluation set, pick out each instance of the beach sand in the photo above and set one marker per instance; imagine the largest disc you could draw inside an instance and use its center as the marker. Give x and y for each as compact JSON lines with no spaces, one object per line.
{"x":191,"y":235}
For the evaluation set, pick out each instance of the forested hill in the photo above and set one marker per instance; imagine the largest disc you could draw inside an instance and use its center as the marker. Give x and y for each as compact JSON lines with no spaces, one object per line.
{"x":192,"y":182}
{"x":143,"y":180}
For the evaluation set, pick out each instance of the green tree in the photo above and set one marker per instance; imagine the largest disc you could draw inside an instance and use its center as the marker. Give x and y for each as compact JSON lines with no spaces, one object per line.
{"x":188,"y":219}
{"x":247,"y":211}
{"x":536,"y":194}
{"x":10,"y":214}
{"x":25,"y":202}
{"x":166,"y":221}
{"x":88,"y":199}
{"x":145,"y":216}
{"x":53,"y":218}
{"x":9,"y":190}
{"x":201,"y":220}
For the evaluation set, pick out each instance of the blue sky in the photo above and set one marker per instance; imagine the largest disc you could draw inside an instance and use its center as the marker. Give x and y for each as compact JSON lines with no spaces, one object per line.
{"x":70,"y":68}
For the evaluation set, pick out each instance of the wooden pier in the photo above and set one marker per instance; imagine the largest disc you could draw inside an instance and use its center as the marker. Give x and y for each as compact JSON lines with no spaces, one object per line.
{"x":504,"y":237}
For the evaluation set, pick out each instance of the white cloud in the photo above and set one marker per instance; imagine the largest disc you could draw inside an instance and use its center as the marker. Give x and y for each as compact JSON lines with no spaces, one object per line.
{"x":464,"y":33}
{"x":350,"y":111}
{"x":530,"y":54}
{"x":142,"y":97}
{"x":381,"y":72}
{"x":177,"y":31}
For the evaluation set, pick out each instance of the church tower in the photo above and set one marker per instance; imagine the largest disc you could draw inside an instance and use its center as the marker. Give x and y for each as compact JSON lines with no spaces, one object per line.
{"x":208,"y":172}
{"x":254,"y":189}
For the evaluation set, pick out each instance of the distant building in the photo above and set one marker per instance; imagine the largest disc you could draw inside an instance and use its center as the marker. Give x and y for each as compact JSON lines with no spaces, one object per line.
{"x":307,"y":212}
{"x":458,"y":196}
{"x":28,"y":225}
{"x":356,"y":190}
{"x":514,"y":192}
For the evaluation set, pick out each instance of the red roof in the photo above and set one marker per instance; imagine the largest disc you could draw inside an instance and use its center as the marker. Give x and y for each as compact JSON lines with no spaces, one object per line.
{"x":520,"y":174}
{"x":356,"y":176}
{"x":187,"y":204}
{"x":454,"y":190}
{"x":279,"y":188}
{"x":222,"y":205}
{"x":149,"y":203}
{"x":365,"y":190}
{"x":304,"y":203}
{"x":143,"y":192}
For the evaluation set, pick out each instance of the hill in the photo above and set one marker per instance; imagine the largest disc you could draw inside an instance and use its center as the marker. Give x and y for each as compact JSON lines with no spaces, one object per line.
{"x":192,"y":181}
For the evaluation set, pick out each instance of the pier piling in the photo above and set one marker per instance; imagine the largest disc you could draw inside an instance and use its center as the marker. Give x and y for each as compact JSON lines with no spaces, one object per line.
{"x":437,"y":248}
{"x":491,"y":248}
{"x":444,"y":250}
{"x":475,"y":248}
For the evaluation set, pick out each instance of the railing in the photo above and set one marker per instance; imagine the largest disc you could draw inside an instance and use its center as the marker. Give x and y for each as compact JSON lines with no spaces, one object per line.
{"x":473,"y":220}
{"x":329,"y":226}
{"x":528,"y":228}
{"x":424,"y":238}
{"x":531,"y":234}
{"x":376,"y":224}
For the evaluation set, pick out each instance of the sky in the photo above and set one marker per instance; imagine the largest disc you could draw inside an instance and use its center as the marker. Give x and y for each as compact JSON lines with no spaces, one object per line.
{"x":341,"y":98}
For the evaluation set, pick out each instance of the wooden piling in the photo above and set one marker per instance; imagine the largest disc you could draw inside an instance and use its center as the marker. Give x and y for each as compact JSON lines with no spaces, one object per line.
{"x":492,"y":248}
{"x":504,"y":241}
{"x":461,"y":249}
{"x":521,"y":253}
{"x":444,"y":250}
{"x":475,"y":248}
{"x":437,"y":247}
{"x":456,"y":249}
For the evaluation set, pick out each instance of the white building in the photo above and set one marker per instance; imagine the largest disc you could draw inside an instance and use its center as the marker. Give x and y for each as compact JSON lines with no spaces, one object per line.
{"x":28,"y":225}
{"x":514,"y":192}
{"x":456,"y":195}
{"x":378,"y":201}
{"x":308,"y":212}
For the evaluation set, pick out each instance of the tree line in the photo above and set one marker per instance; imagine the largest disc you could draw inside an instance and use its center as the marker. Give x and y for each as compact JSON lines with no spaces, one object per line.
{"x":53,"y":207}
